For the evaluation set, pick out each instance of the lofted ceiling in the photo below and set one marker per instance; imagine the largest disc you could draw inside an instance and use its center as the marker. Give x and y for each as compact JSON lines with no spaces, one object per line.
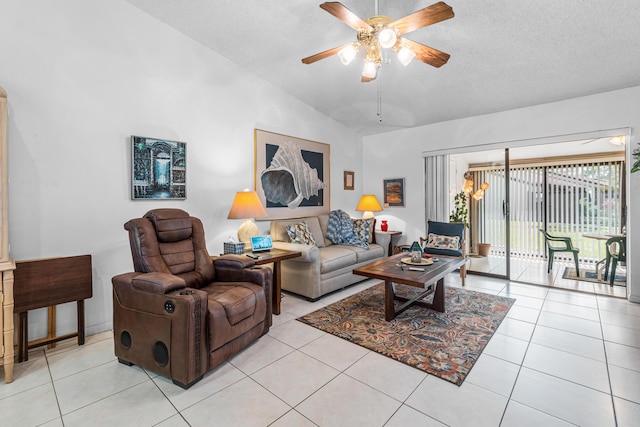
{"x":505,"y":54}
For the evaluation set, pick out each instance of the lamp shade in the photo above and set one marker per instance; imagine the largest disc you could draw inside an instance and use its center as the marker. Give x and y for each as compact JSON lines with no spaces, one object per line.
{"x":246,"y":204}
{"x":368,"y":204}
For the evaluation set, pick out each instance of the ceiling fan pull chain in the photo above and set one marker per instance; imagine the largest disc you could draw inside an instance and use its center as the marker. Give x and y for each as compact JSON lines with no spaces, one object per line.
{"x":379,"y":99}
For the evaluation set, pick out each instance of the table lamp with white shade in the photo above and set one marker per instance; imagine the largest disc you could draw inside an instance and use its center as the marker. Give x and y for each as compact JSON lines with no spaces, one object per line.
{"x":247,"y":206}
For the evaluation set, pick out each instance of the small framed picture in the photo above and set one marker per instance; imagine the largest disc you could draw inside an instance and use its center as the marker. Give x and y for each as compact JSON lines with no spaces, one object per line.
{"x":348,"y":180}
{"x":393,"y":190}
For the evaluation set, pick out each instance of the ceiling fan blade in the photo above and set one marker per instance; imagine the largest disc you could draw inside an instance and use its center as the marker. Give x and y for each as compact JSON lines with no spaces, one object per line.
{"x":426,"y":54}
{"x":318,"y":56}
{"x":429,"y":15}
{"x":338,"y":10}
{"x":365,"y":79}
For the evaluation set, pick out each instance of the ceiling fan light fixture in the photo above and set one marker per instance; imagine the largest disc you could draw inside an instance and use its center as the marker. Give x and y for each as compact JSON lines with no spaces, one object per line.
{"x":348,"y":52}
{"x":370,"y":70}
{"x":617,"y":140}
{"x":387,"y":37}
{"x":405,"y":55}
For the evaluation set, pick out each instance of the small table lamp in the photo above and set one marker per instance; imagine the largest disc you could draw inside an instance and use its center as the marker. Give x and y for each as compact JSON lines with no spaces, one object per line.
{"x":368,"y":204}
{"x":246,"y":205}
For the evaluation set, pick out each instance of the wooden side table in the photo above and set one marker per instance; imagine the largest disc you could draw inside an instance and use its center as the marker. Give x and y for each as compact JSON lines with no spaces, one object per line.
{"x":46,"y":283}
{"x":275,"y":256}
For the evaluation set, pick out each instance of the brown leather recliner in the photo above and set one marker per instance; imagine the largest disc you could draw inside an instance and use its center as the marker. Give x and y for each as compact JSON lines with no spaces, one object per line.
{"x":182,"y":313}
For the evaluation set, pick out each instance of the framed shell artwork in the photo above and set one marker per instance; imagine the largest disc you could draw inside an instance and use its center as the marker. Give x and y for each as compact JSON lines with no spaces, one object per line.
{"x":291,"y":175}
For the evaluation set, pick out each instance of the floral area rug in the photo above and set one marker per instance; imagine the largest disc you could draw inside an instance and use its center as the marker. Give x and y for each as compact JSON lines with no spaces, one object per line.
{"x":446,"y":345}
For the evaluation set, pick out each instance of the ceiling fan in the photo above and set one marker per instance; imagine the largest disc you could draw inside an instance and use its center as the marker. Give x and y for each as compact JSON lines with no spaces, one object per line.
{"x":382,"y":32}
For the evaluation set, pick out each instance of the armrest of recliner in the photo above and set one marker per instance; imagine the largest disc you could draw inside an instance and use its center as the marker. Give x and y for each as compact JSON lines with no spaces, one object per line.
{"x":162,"y":332}
{"x":233,"y":261}
{"x":158,"y":283}
{"x":240,"y":268}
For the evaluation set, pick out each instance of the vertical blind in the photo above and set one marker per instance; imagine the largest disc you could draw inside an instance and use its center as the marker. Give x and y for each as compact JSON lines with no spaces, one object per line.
{"x":436,"y":189}
{"x":566,"y":200}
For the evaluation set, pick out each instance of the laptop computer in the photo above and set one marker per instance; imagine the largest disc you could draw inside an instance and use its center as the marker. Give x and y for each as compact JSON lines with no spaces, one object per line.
{"x":261,"y":243}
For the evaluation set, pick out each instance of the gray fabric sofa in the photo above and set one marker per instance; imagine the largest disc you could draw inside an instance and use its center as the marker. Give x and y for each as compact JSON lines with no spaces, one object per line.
{"x":324,"y":267}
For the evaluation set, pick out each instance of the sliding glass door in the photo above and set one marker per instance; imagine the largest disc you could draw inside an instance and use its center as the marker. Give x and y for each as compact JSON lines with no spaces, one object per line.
{"x":573,"y":188}
{"x":489,"y":215}
{"x":579,"y":196}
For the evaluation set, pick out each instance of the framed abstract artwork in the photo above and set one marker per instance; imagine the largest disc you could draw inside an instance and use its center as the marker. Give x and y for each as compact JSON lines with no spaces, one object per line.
{"x":393,"y":190}
{"x":291,"y":175}
{"x":158,"y":169}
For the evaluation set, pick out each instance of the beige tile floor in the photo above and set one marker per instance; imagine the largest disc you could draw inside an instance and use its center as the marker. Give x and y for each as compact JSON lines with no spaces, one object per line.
{"x":560,"y":358}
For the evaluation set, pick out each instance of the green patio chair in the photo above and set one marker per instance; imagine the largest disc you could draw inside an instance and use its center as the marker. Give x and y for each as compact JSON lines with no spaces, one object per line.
{"x":616,"y":252}
{"x":559,"y":244}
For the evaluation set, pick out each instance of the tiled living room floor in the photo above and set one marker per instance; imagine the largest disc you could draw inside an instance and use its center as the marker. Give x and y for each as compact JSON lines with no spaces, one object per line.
{"x":560,"y":358}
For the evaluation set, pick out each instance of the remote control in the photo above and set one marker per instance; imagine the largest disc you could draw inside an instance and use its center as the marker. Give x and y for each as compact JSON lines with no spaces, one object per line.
{"x":416,"y":269}
{"x":253,"y":256}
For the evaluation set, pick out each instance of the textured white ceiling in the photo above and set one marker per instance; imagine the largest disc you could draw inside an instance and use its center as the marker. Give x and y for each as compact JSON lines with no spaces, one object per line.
{"x":505,"y":54}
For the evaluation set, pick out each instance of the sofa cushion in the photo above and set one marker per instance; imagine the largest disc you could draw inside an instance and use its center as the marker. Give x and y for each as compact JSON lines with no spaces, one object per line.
{"x":334,"y":257}
{"x":374,"y":252}
{"x":279,"y":229}
{"x":299,"y":233}
{"x":233,"y":309}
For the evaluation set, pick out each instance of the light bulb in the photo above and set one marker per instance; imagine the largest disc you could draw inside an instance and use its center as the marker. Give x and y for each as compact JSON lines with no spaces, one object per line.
{"x":370,"y":70}
{"x":347,"y":53}
{"x":478,"y":195}
{"x":405,"y":55}
{"x":617,"y":140}
{"x":387,"y":38}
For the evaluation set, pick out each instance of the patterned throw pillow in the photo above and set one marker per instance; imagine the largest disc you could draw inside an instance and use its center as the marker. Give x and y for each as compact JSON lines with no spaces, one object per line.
{"x":443,"y":242}
{"x":299,"y":233}
{"x":364,"y":229}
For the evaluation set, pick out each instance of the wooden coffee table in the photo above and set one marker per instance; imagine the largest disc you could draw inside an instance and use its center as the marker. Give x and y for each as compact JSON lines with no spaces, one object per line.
{"x":393,"y":271}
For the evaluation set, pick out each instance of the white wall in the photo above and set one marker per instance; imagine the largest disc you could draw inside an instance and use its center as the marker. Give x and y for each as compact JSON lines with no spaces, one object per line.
{"x":82,"y":77}
{"x":398,"y":154}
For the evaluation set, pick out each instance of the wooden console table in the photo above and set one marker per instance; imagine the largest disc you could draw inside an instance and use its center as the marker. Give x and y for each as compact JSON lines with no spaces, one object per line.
{"x":47,"y":283}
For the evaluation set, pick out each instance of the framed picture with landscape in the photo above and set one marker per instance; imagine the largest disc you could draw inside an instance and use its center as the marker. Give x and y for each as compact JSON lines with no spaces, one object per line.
{"x":393,"y":190}
{"x":291,"y":175}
